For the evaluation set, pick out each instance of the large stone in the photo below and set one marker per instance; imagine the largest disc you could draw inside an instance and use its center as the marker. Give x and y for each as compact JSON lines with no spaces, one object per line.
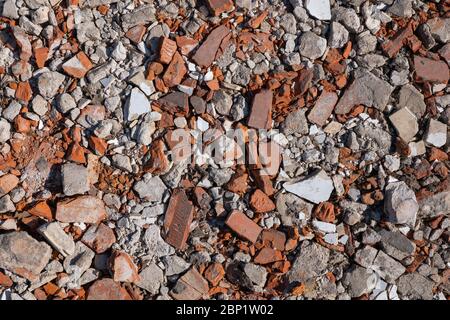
{"x":141,"y":15}
{"x":80,"y":260}
{"x":316,"y":187}
{"x":405,"y":123}
{"x":410,"y":97}
{"x":49,"y":83}
{"x":9,"y":9}
{"x":150,"y":188}
{"x":395,"y":244}
{"x":366,"y":89}
{"x":206,"y":53}
{"x":309,"y":263}
{"x":312,"y":46}
{"x":58,"y":239}
{"x":338,"y":35}
{"x":86,"y":209}
{"x":23,"y":255}
{"x":5,"y":130}
{"x":75,"y":179}
{"x":435,"y":205}
{"x":400,"y":204}
{"x":359,"y":281}
{"x":295,"y":123}
{"x":151,"y":278}
{"x":387,"y":268}
{"x":429,"y":70}
{"x":414,"y":286}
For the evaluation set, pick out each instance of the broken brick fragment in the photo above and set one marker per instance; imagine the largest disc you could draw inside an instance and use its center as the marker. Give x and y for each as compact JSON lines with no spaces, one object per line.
{"x":431,"y":70}
{"x":214,"y":273}
{"x":191,"y":286}
{"x":178,"y":219}
{"x":268,"y":255}
{"x":99,"y":238}
{"x":167,"y":50}
{"x":260,"y":202}
{"x":86,"y":209}
{"x":41,"y":56}
{"x":78,"y":65}
{"x":218,"y":7}
{"x":135,"y":34}
{"x":243,"y":226}
{"x":261,"y":111}
{"x":42,"y":209}
{"x":123,"y":267}
{"x":98,"y":145}
{"x":206,"y":53}
{"x":175,"y":71}
{"x":23,"y":91}
{"x":107,"y":289}
{"x":7,"y":183}
{"x":274,"y":239}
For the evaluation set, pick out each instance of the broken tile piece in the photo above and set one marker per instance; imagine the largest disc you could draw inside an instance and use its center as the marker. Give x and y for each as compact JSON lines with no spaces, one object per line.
{"x":316,"y":187}
{"x":218,"y":7}
{"x":243,"y":226}
{"x":107,"y":289}
{"x":178,"y":219}
{"x":175,"y":71}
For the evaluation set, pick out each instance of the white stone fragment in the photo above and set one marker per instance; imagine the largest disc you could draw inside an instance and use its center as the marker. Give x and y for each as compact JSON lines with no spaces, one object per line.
{"x":315,"y":188}
{"x":58,"y":239}
{"x":319,"y":9}
{"x":202,"y":125}
{"x":137,"y":104}
{"x":436,"y":134}
{"x":331,"y":238}
{"x":325,"y":227}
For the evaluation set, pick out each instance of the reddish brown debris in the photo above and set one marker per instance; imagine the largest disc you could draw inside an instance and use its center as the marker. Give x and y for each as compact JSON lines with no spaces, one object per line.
{"x":214,"y":273}
{"x":87,"y":209}
{"x":274,"y":239}
{"x":42,"y":209}
{"x":178,"y":219}
{"x":99,"y":238}
{"x":260,"y":202}
{"x":167,"y":50}
{"x":261,"y":111}
{"x":123,"y":267}
{"x":107,"y":289}
{"x":206,"y":53}
{"x":78,"y":66}
{"x":243,"y":226}
{"x":191,"y":286}
{"x":431,"y":70}
{"x":175,"y":71}
{"x":219,"y":6}
{"x":7,"y":183}
{"x":268,"y":255}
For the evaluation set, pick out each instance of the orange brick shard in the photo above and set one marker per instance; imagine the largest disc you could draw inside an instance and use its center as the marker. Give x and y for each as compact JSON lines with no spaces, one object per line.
{"x":78,"y":66}
{"x":167,"y":49}
{"x":243,"y":226}
{"x":175,"y":71}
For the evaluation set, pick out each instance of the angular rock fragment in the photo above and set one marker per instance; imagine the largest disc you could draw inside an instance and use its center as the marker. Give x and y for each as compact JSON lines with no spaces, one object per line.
{"x":359,"y":281}
{"x":99,"y":238}
{"x":191,"y":286}
{"x":151,"y":278}
{"x":387,"y":268}
{"x":175,"y":71}
{"x":7,"y":183}
{"x":316,"y":187}
{"x":405,"y":123}
{"x":323,"y":108}
{"x":436,"y":134}
{"x":410,"y":97}
{"x":396,"y":244}
{"x":310,"y":262}
{"x":366,"y":89}
{"x":178,"y":219}
{"x":49,"y":83}
{"x":296,"y":123}
{"x":319,"y":9}
{"x":23,"y":255}
{"x":136,"y":105}
{"x":415,"y":286}
{"x":58,"y":239}
{"x":75,"y":179}
{"x":86,"y":209}
{"x":312,"y":46}
{"x":218,"y":7}
{"x":142,"y":15}
{"x":243,"y":226}
{"x":150,"y":188}
{"x":400,"y":204}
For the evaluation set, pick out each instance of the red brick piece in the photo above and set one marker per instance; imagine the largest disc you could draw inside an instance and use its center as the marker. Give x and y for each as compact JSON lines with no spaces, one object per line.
{"x":167,"y":49}
{"x":178,"y":219}
{"x":393,"y":46}
{"x":123,"y":268}
{"x":260,"y":202}
{"x":78,"y":66}
{"x":274,"y":239}
{"x":99,"y":238}
{"x":431,"y":70}
{"x":214,"y":273}
{"x":261,"y":113}
{"x":107,"y":289}
{"x":243,"y":226}
{"x":87,"y":209}
{"x":42,"y":209}
{"x":175,"y":71}
{"x":7,"y":183}
{"x":206,"y":53}
{"x":136,"y":33}
{"x":220,"y":6}
{"x":191,"y":286}
{"x":323,"y":108}
{"x":268,"y":255}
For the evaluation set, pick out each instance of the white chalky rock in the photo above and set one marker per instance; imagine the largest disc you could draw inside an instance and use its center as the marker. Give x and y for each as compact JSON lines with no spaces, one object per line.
{"x":436,"y":134}
{"x":319,"y":9}
{"x":137,"y":104}
{"x":325,"y":227}
{"x":315,"y":188}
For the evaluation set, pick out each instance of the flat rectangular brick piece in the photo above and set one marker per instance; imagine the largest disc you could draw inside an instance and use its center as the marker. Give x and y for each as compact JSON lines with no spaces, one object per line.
{"x":178,"y":219}
{"x":243,"y":226}
{"x":261,"y":113}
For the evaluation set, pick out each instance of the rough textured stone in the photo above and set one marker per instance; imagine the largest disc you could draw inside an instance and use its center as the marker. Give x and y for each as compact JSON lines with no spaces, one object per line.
{"x":405,"y":123}
{"x":359,"y":281}
{"x":316,"y":187}
{"x":59,"y":240}
{"x":400,"y":204}
{"x":87,"y":209}
{"x":309,"y":263}
{"x":151,"y":278}
{"x":75,"y":179}
{"x":23,"y":255}
{"x":312,"y":46}
{"x":323,"y":108}
{"x":415,"y":286}
{"x":107,"y":289}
